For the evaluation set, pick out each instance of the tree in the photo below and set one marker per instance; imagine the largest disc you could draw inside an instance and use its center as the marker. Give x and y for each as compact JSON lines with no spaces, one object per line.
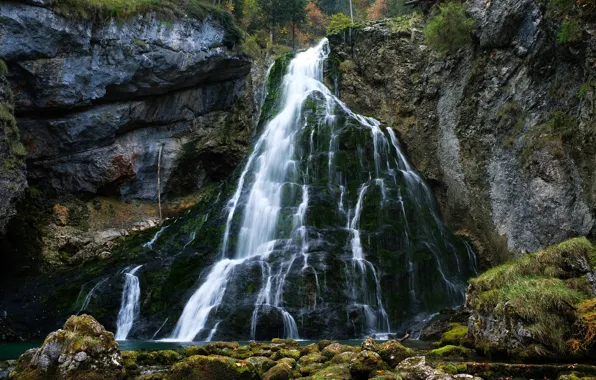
{"x":378,"y":10}
{"x":271,"y":8}
{"x":295,"y":13}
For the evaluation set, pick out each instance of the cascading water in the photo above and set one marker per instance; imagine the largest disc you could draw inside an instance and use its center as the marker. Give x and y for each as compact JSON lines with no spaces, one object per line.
{"x":329,"y":222}
{"x":129,"y":307}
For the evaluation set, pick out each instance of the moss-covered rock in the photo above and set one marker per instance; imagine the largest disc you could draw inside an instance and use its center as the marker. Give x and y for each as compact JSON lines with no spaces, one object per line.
{"x":310,"y":349}
{"x":450,"y":351}
{"x":286,"y":353}
{"x":82,"y":350}
{"x":526,"y":308}
{"x":456,"y":335}
{"x":334,"y":372}
{"x":335,"y":348}
{"x":261,"y":364}
{"x":343,"y":358}
{"x":213,"y":367}
{"x":281,"y":371}
{"x":193,"y":350}
{"x":365,"y":363}
{"x":393,"y":352}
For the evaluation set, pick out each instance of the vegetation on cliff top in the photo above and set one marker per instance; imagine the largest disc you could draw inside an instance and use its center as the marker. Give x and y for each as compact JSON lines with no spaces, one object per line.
{"x":450,"y":29}
{"x":101,"y":10}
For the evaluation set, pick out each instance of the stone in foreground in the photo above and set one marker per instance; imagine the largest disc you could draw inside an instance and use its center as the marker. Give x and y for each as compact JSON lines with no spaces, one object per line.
{"x":83,"y":349}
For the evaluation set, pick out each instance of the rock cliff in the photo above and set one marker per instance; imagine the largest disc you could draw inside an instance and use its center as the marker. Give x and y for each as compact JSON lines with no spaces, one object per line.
{"x":102,"y":106}
{"x":503,"y":129}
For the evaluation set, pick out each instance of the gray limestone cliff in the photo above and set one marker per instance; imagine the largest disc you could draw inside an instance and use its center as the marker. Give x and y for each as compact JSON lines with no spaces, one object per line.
{"x":503,"y":129}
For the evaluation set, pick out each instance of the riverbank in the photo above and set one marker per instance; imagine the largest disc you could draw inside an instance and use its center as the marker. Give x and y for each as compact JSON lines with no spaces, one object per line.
{"x":83,"y":349}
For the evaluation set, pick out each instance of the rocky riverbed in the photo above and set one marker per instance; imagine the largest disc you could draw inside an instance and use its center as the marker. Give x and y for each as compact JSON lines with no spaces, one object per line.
{"x":83,"y":349}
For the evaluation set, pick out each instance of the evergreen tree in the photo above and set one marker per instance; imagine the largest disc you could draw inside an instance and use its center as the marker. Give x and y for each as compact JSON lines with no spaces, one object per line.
{"x":294,"y":12}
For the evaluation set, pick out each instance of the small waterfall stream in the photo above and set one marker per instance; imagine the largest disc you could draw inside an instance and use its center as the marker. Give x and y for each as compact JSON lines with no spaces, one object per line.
{"x":324,"y":184}
{"x":129,"y":307}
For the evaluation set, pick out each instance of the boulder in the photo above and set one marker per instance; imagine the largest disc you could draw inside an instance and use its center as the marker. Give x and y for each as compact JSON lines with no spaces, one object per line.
{"x":365,"y":363}
{"x":393,"y":352}
{"x":83,"y":349}
{"x":213,"y":367}
{"x":281,"y":371}
{"x":335,"y":348}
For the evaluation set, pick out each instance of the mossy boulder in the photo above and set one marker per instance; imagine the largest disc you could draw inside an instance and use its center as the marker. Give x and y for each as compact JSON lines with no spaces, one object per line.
{"x":312,"y":358}
{"x":83,"y":349}
{"x":164,"y":357}
{"x":324,"y":343}
{"x":335,"y":348}
{"x":261,"y":364}
{"x":310,"y":349}
{"x":456,"y":335}
{"x":450,"y":351}
{"x":365,"y":363}
{"x":369,"y":345}
{"x":193,"y":350}
{"x":221,"y":348}
{"x":213,"y":367}
{"x":393,"y":352}
{"x":343,"y":358}
{"x":334,"y":372}
{"x":285,"y":353}
{"x":527,"y":308}
{"x":281,"y":371}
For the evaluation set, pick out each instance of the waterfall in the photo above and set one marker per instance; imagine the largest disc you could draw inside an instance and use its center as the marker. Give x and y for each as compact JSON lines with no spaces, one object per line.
{"x":324,"y":184}
{"x":129,"y":307}
{"x":90,"y":295}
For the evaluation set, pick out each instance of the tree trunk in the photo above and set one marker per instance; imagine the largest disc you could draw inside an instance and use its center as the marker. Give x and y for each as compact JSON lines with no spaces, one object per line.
{"x":294,"y":36}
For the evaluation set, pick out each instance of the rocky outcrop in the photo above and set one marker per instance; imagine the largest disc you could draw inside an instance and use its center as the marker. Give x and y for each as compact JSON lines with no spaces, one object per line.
{"x":539,"y":307}
{"x":82,"y":350}
{"x":102,"y":106}
{"x":12,"y":153}
{"x":503,"y":129}
{"x":97,"y":103}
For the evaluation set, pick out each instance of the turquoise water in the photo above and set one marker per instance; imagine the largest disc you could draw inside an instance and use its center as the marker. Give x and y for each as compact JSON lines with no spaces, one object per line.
{"x":9,"y":351}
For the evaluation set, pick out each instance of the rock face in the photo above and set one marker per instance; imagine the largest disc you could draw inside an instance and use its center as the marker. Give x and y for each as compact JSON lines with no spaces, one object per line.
{"x":82,"y":350}
{"x":479,"y":123}
{"x":12,"y":153}
{"x":101,"y":108}
{"x":98,"y":103}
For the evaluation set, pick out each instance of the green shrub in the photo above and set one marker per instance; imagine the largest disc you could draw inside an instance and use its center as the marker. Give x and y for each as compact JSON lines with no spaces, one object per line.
{"x":449,"y":30}
{"x":337,"y":23}
{"x":570,"y":32}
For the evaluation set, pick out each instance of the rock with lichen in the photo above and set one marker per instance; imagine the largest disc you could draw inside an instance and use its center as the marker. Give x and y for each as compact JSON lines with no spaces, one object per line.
{"x":83,"y":349}
{"x":365,"y":363}
{"x":213,"y":367}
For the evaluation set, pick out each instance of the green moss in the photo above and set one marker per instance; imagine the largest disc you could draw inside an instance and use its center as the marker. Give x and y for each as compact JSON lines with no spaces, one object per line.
{"x":549,"y":262}
{"x":450,"y":30}
{"x":449,"y":351}
{"x":454,"y":335}
{"x":570,"y":32}
{"x":212,"y":368}
{"x":539,"y":289}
